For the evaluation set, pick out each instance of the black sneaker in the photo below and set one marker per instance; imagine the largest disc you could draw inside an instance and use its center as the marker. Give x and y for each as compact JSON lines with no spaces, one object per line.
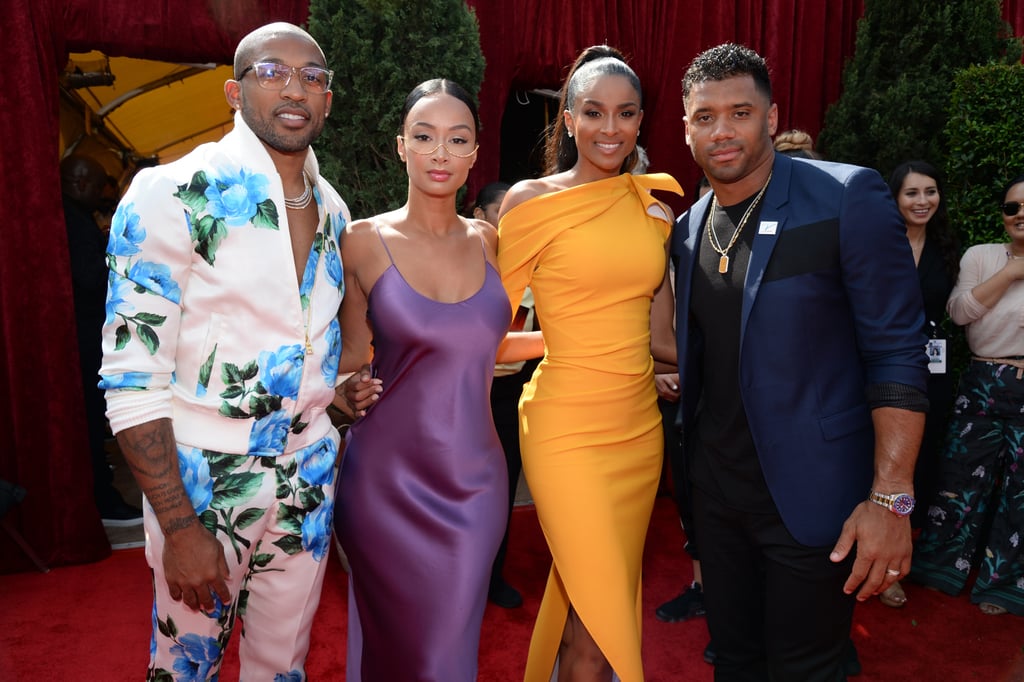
{"x":689,"y":604}
{"x":504,"y":595}
{"x":120,"y":514}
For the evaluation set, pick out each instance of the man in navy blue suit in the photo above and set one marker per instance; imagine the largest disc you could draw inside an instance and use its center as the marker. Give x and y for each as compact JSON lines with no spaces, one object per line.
{"x":803,"y":379}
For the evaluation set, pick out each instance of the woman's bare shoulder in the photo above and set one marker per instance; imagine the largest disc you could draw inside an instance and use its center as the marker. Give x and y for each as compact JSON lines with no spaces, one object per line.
{"x":359,"y":230}
{"x":488,"y":232}
{"x":524,"y":190}
{"x":361,"y":239}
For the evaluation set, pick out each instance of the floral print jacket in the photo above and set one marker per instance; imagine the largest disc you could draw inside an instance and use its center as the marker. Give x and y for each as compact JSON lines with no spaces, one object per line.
{"x":206,"y":323}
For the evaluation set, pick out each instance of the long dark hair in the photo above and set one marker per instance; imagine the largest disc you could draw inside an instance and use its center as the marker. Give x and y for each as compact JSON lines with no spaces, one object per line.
{"x":560,"y":153}
{"x":938,"y":226}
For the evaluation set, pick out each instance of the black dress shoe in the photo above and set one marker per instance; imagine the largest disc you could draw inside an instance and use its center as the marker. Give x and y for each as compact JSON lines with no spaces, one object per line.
{"x":504,"y":595}
{"x":709,"y":654}
{"x":689,"y":604}
{"x":120,"y":514}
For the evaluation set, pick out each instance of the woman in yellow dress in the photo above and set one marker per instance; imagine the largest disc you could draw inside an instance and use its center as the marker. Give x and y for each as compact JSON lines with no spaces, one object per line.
{"x":589,"y":240}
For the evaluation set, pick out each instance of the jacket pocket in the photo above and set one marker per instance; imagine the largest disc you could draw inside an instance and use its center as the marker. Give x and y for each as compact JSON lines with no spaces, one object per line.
{"x":844,"y":423}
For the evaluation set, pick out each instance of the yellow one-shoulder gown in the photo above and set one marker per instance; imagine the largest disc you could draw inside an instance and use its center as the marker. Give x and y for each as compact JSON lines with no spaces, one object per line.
{"x":590,"y":428}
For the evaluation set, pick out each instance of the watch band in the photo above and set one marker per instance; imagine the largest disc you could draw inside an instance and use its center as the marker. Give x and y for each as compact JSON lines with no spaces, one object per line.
{"x":900,"y":504}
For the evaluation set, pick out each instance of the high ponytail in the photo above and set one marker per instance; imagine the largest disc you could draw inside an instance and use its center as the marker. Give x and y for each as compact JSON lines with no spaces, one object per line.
{"x":560,"y":153}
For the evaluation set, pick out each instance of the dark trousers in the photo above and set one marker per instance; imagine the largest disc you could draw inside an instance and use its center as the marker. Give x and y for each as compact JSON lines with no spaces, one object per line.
{"x":776,"y":608}
{"x":676,"y":461}
{"x":926,"y":471}
{"x":505,"y":394}
{"x":90,"y":357}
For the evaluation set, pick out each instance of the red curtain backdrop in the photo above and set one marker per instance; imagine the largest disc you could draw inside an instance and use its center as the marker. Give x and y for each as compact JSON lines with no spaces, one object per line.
{"x":805,"y":45}
{"x":42,"y":427}
{"x":530,"y":43}
{"x":527,"y":44}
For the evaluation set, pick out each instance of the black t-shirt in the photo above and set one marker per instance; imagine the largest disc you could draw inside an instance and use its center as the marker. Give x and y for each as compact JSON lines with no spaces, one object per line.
{"x":725,"y":463}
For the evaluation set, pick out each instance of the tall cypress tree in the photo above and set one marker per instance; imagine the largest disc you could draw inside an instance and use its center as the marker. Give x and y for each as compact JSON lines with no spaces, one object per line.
{"x":896,"y":86}
{"x":380,"y":50}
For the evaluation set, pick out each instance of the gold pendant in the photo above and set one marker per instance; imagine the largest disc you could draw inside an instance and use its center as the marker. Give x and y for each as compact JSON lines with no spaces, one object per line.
{"x":723,"y":265}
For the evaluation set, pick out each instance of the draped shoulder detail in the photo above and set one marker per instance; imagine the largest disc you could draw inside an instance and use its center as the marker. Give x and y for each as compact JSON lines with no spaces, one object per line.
{"x":525,"y":231}
{"x":662,"y":181}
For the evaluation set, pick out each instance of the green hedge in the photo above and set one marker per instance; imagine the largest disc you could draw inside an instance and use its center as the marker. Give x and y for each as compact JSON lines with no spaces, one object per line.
{"x":896,"y":84}
{"x":985,"y":137}
{"x":380,"y":50}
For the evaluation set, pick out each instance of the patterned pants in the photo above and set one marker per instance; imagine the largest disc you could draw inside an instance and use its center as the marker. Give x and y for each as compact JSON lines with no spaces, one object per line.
{"x":980,"y":500}
{"x":273,"y":515}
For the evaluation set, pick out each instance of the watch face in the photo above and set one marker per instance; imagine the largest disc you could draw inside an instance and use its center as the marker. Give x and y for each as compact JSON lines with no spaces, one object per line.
{"x":903,"y":504}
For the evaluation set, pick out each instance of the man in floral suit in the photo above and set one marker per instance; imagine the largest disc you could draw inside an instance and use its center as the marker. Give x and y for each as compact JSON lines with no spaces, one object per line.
{"x":221,"y":351}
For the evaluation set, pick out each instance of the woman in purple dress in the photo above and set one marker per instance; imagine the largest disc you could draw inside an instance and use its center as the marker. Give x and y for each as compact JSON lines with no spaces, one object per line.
{"x":422,"y":493}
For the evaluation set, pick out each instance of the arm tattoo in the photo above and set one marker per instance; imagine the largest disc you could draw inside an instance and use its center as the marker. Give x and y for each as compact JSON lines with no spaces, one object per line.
{"x":178,"y":523}
{"x":149,"y":446}
{"x":152,"y":455}
{"x":164,"y":496}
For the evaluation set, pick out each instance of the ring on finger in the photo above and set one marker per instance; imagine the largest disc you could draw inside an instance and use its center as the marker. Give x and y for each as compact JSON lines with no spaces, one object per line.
{"x":892,"y":571}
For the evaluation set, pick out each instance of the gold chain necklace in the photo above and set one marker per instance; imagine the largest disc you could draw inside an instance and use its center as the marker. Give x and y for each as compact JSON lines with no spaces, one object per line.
{"x":302,"y":201}
{"x":723,"y":261}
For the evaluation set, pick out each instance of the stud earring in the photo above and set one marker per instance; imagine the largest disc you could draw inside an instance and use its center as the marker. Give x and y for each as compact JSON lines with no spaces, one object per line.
{"x":569,"y":133}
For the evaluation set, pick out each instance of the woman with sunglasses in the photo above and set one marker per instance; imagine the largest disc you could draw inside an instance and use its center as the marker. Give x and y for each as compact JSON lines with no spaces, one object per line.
{"x":422,"y":492}
{"x":980,"y":499}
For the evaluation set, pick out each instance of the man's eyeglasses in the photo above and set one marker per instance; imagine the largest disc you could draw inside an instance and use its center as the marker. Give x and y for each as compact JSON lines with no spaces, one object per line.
{"x":274,"y":76}
{"x":424,"y":144}
{"x":1011,"y":208}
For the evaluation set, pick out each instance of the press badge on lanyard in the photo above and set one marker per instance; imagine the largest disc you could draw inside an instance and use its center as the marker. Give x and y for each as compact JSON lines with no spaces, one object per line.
{"x":936,"y":350}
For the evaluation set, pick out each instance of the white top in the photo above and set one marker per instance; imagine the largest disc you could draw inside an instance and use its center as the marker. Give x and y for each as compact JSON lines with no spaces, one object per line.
{"x":996,"y":332}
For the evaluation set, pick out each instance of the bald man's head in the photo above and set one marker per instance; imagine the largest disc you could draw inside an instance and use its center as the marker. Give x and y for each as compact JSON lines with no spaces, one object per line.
{"x":249,"y":48}
{"x":82,"y":179}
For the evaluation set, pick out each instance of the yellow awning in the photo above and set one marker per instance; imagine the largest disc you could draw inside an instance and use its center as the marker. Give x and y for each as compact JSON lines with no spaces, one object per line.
{"x":152,"y":109}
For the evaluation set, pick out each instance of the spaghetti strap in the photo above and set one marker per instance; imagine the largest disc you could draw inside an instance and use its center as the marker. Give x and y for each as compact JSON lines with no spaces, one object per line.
{"x":483,"y":243}
{"x":384,"y":243}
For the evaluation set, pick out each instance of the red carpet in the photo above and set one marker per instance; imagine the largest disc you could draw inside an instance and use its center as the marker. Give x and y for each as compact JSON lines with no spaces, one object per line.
{"x":91,"y":622}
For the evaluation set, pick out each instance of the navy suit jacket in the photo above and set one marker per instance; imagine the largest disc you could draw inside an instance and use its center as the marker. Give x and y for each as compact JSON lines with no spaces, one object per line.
{"x":831,"y":304}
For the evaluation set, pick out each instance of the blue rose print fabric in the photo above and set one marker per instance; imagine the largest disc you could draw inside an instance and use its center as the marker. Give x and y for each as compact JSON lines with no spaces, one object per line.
{"x":273,"y":513}
{"x":209,"y":324}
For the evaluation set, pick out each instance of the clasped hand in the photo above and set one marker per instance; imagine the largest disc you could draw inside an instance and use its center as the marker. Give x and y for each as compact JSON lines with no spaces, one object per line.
{"x":358,"y":392}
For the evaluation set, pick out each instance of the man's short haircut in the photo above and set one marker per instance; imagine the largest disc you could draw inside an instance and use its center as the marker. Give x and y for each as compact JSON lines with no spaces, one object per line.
{"x":728,"y":61}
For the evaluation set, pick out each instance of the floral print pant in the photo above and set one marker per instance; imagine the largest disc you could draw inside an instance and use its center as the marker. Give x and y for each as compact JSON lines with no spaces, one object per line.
{"x":980,"y":500}
{"x":273,"y":515}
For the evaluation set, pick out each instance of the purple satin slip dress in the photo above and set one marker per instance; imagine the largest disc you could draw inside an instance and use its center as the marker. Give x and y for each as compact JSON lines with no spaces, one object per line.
{"x":422,"y":494}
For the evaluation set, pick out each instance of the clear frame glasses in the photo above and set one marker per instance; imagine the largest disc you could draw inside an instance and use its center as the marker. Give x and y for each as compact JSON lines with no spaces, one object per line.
{"x":274,"y":76}
{"x":422,"y":144}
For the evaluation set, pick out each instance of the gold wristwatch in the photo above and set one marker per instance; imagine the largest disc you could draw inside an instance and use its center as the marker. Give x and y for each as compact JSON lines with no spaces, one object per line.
{"x":900,"y":504}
